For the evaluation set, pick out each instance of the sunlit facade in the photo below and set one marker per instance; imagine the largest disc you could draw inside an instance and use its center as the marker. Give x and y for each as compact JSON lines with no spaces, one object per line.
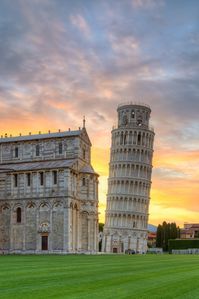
{"x":129,"y":181}
{"x":48,"y":194}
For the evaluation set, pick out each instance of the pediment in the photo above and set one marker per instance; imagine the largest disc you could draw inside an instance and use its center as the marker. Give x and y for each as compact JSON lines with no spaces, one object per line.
{"x":84,"y":136}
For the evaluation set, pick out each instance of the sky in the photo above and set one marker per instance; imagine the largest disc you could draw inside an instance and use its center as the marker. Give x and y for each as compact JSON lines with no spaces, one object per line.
{"x":62,"y":59}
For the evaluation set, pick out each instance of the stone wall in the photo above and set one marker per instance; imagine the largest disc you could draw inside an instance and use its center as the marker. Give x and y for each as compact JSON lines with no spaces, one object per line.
{"x":61,"y":211}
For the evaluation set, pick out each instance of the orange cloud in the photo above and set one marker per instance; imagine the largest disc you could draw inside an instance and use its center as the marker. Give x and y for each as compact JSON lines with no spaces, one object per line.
{"x":173,"y":198}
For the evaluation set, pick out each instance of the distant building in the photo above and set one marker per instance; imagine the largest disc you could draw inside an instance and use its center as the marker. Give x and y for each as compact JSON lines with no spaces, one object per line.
{"x":151,"y":242}
{"x":129,"y":182}
{"x":190,"y":231}
{"x":48,"y":193}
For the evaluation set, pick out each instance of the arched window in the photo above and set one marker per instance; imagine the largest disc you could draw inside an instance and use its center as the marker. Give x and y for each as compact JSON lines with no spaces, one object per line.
{"x":139,"y":138}
{"x":125,"y":135}
{"x":37,"y":150}
{"x":60,"y":148}
{"x":55,"y":177}
{"x":83,"y":182}
{"x":41,"y":178}
{"x":121,"y":138}
{"x":18,"y":215}
{"x":15,"y":180}
{"x":16,"y":152}
{"x":28,"y":179}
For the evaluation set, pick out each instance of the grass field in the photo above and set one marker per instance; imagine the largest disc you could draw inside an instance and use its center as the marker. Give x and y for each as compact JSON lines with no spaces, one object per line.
{"x":93,"y":277}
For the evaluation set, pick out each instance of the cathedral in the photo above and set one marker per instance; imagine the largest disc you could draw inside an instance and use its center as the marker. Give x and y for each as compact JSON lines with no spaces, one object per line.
{"x":48,"y":194}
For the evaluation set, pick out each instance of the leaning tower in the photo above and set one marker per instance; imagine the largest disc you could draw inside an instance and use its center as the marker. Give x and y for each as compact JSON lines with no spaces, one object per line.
{"x":129,"y":181}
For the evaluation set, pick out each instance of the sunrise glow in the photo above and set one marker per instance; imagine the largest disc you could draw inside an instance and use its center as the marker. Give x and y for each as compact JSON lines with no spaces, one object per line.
{"x":61,"y":60}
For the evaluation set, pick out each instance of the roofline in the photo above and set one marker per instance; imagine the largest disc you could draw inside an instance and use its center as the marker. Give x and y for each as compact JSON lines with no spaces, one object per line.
{"x":138,"y":104}
{"x":87,"y":172}
{"x":40,"y":136}
{"x":84,"y":130}
{"x":11,"y":166}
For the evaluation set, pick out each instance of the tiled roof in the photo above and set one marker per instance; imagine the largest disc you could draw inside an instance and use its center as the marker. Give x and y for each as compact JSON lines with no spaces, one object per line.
{"x":40,"y":136}
{"x":37,"y":165}
{"x":87,"y":169}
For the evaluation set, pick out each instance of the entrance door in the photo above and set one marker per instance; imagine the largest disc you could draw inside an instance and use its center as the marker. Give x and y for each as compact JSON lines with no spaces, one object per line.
{"x":114,"y":250}
{"x":44,"y":242}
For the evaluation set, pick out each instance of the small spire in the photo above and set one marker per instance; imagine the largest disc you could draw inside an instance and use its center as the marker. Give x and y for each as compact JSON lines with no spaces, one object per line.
{"x":84,"y":121}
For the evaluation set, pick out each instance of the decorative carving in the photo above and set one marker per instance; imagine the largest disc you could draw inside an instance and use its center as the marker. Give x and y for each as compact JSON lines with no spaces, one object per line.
{"x":31,"y":205}
{"x":5,"y":207}
{"x":57,"y":205}
{"x":44,"y":206}
{"x":44,"y":227}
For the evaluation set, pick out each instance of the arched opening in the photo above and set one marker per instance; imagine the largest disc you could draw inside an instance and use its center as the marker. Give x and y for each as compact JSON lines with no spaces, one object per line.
{"x":121,"y":138}
{"x":125,"y":138}
{"x":60,"y":148}
{"x":139,"y":138}
{"x":18,"y":215}
{"x":16,"y":152}
{"x":37,"y":150}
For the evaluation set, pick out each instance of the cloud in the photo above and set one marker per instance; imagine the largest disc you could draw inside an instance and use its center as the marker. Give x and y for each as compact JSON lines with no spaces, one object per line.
{"x":61,"y":60}
{"x":146,"y":4}
{"x":79,"y":22}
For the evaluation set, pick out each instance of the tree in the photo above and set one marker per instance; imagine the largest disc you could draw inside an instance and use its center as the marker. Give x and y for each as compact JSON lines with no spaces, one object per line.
{"x":159,"y":236}
{"x":196,"y":235}
{"x":166,"y":231}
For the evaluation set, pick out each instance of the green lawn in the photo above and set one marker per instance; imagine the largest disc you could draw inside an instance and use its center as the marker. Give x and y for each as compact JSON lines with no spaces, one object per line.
{"x":93,"y":277}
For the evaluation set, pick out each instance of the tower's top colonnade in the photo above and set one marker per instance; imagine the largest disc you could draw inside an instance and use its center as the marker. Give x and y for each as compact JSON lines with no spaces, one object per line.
{"x":133,"y":115}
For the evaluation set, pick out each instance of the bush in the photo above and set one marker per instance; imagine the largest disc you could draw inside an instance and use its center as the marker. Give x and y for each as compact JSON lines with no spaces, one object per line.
{"x":183,"y":244}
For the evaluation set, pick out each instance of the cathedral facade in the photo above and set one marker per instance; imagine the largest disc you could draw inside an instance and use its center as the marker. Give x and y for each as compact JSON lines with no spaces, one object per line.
{"x":48,"y":194}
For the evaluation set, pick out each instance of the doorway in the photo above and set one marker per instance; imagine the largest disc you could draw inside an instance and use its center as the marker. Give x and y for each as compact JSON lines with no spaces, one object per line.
{"x":114,"y":250}
{"x":44,"y":242}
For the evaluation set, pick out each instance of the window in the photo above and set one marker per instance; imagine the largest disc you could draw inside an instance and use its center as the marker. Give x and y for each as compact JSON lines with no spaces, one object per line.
{"x":139,"y":139}
{"x":41,"y":178}
{"x":18,"y":215}
{"x":125,"y":137}
{"x":60,"y":148}
{"x":84,"y":153}
{"x":54,"y":177}
{"x":83,"y":182}
{"x":121,"y":138}
{"x":15,"y":180}
{"x":28,"y":179}
{"x":37,"y":150}
{"x":16,"y":152}
{"x":133,"y":114}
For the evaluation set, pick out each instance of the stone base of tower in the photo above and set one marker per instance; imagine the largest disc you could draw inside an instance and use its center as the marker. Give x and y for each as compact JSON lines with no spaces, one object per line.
{"x":115,"y":242}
